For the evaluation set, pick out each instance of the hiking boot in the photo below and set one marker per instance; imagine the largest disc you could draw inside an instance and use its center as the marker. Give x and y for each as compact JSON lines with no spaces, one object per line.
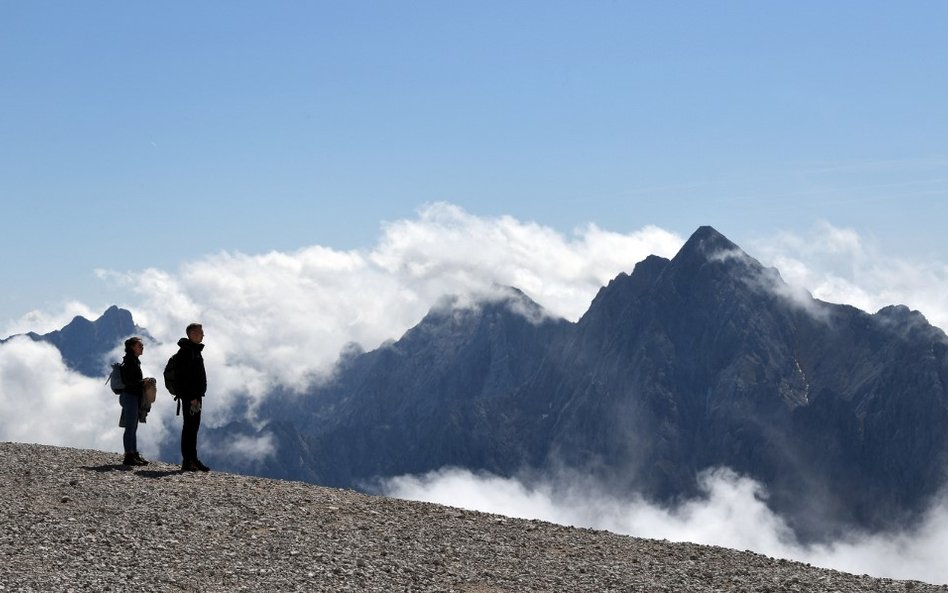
{"x":201,"y":466}
{"x":189,"y":466}
{"x":133,"y":459}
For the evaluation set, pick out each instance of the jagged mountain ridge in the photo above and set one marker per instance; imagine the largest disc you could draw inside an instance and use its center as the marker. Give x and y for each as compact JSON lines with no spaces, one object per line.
{"x":84,"y":344}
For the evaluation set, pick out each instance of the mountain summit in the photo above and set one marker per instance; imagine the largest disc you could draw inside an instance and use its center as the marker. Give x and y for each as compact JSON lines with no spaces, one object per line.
{"x":707,"y":244}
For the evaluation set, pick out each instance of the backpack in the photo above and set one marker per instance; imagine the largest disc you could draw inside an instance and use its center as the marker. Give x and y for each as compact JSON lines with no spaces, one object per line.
{"x":115,"y":378}
{"x":169,"y":376}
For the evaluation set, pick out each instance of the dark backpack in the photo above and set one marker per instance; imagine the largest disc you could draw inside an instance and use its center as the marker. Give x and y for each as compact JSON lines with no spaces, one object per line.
{"x":169,"y":376}
{"x":115,"y":378}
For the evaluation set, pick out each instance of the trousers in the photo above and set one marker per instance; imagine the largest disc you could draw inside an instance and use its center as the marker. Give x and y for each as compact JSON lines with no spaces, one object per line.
{"x":189,"y":431}
{"x":130,"y":404}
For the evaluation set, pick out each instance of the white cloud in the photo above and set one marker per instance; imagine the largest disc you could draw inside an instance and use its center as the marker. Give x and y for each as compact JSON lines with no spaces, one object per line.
{"x":917,"y":553}
{"x":448,"y":248}
{"x":839,"y":266}
{"x":731,"y":513}
{"x":253,"y":448}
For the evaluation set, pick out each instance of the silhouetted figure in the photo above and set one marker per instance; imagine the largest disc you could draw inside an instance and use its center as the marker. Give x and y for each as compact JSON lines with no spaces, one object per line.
{"x":131,"y":399}
{"x":190,"y":387}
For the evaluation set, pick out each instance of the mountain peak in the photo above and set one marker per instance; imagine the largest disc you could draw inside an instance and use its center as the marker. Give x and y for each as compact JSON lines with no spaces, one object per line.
{"x":708,"y":250}
{"x":114,"y":312}
{"x":707,"y":258}
{"x":709,"y":243}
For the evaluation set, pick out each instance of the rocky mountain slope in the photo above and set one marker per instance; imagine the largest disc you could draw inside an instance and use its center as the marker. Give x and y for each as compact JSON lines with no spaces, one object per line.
{"x":73,"y":520}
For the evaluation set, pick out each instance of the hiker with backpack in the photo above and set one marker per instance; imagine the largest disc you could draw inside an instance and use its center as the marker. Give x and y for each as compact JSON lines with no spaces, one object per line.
{"x":131,"y":394}
{"x":190,"y":385}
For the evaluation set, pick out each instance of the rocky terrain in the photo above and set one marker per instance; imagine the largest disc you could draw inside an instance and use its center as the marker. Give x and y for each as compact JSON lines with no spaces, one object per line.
{"x":75,"y":520}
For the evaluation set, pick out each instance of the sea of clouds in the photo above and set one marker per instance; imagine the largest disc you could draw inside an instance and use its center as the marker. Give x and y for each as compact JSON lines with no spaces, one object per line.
{"x":281,"y":319}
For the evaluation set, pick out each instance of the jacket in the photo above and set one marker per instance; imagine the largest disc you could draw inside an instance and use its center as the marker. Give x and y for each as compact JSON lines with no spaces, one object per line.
{"x":190,"y":377}
{"x":132,"y":374}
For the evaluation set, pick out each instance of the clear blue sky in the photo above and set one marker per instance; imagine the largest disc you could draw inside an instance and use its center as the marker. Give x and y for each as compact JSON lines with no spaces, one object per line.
{"x":137,"y":134}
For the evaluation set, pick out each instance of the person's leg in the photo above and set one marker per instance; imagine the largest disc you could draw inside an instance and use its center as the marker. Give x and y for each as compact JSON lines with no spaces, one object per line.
{"x":186,"y":437}
{"x":129,"y":405}
{"x":192,"y":421}
{"x":197,"y":426}
{"x":194,"y":439}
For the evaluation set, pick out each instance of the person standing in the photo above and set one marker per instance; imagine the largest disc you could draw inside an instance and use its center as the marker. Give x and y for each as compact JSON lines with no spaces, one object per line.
{"x":131,"y":399}
{"x":190,"y":387}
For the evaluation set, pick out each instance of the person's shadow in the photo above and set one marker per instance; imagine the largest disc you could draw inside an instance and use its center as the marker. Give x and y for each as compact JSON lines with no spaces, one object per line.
{"x":117,"y":467}
{"x":155,"y":474}
{"x":143,"y":473}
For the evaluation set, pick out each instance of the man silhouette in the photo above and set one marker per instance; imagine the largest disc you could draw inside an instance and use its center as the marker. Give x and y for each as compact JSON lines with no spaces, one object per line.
{"x":191,"y":385}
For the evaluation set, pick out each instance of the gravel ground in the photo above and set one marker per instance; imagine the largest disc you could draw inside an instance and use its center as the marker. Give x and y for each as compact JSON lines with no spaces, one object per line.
{"x":76,"y":520}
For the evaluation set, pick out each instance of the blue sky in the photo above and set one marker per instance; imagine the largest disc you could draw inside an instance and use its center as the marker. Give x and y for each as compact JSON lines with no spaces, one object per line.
{"x":137,"y":135}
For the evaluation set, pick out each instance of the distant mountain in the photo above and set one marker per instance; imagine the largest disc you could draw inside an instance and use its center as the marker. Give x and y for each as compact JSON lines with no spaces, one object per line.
{"x":84,"y":344}
{"x":707,"y":359}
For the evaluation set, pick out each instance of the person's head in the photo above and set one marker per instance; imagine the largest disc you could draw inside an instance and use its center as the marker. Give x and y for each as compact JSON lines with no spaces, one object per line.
{"x":195,"y":332}
{"x":134,"y":345}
